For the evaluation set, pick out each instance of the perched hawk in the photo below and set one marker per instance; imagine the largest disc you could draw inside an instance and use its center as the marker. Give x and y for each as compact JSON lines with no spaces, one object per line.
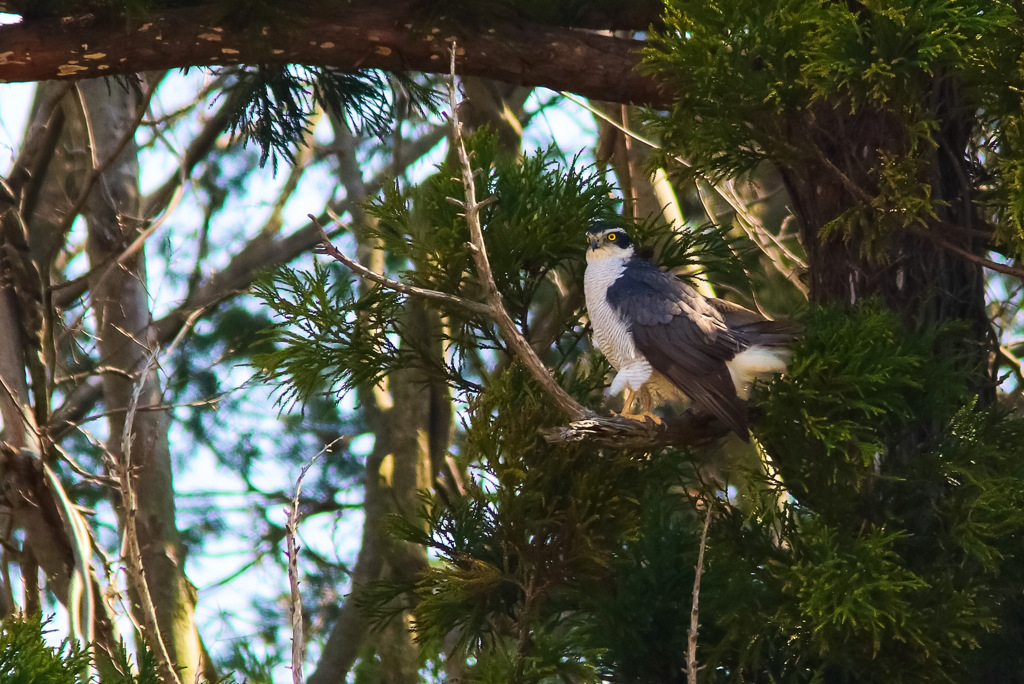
{"x":668,"y":342}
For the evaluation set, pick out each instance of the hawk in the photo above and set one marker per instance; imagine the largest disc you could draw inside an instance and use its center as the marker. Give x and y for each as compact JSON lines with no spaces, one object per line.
{"x":668,"y":342}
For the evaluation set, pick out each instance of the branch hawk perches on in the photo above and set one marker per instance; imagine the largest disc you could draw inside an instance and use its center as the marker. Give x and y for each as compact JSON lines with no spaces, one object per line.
{"x":665,"y":339}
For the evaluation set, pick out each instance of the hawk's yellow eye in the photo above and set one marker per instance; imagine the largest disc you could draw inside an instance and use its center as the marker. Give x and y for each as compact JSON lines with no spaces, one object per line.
{"x":612,"y":237}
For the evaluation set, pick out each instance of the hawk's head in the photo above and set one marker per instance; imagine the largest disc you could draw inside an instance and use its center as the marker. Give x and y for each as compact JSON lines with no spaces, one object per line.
{"x":608,"y":241}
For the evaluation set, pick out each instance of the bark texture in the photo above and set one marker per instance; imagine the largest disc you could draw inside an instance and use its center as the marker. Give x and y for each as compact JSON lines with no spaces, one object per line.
{"x":30,"y":234}
{"x":909,"y":271}
{"x":393,"y":36}
{"x":904,"y":266}
{"x":126,"y":340}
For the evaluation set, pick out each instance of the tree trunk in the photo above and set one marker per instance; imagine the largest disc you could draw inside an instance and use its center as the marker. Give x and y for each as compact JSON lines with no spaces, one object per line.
{"x":908,"y":269}
{"x":126,"y":343}
{"x":403,"y":416}
{"x":30,"y":217}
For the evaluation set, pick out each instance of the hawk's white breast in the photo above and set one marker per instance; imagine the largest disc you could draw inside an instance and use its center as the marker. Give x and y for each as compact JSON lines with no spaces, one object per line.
{"x":611,"y":333}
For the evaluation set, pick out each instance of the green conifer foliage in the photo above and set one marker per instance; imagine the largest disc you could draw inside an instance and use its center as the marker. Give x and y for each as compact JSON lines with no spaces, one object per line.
{"x":277,"y":103}
{"x":878,"y":538}
{"x":25,"y":657}
{"x":888,"y":556}
{"x":540,"y":531}
{"x":757,"y":80}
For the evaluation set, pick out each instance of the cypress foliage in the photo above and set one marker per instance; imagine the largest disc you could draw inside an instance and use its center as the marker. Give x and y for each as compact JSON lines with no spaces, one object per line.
{"x":880,"y":539}
{"x":867,"y":554}
{"x":25,"y":657}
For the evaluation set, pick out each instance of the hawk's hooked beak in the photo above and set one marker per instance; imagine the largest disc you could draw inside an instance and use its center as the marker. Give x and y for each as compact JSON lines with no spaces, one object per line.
{"x":594,"y":241}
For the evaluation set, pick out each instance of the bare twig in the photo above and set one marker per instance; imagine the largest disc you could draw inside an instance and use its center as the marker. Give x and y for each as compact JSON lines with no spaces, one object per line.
{"x":769,"y":244}
{"x":513,"y":337}
{"x":585,"y":426}
{"x":762,"y":236}
{"x":67,"y":292}
{"x":328,"y":248}
{"x":132,"y":549}
{"x":291,"y":534}
{"x":136,"y":573}
{"x":691,"y":638}
{"x":1015,"y":271}
{"x":615,"y":124}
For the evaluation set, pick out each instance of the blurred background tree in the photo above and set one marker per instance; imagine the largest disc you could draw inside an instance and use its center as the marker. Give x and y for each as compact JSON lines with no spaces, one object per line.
{"x":163,"y":320}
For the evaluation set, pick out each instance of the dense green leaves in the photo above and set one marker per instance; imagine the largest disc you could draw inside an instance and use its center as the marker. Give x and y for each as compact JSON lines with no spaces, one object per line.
{"x":874,"y":536}
{"x":858,"y":381}
{"x":790,"y":82}
{"x":536,"y":224}
{"x":25,"y":657}
{"x":331,"y":337}
{"x":856,"y":567}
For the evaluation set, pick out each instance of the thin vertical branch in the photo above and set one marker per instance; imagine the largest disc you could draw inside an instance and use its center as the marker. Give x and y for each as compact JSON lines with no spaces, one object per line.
{"x":132,"y":549}
{"x":691,"y":654}
{"x":291,"y":534}
{"x":472,"y":207}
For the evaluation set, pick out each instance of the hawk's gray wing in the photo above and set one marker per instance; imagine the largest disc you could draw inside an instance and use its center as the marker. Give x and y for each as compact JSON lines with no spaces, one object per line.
{"x":754,"y":329}
{"x":683,"y":336}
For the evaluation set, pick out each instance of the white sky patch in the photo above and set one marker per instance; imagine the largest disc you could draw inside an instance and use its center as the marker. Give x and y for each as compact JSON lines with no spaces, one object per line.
{"x":15,"y":106}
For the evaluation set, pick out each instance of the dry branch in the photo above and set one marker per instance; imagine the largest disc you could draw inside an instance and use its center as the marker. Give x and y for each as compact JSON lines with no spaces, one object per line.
{"x":690,"y":429}
{"x":291,"y":536}
{"x":1013,"y":270}
{"x":328,"y":248}
{"x":691,"y":637}
{"x":585,"y":426}
{"x":295,"y":595}
{"x":132,"y":550}
{"x":513,"y":337}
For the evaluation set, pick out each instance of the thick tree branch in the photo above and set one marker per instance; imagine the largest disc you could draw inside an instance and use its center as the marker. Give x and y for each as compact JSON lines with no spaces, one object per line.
{"x":392,"y":36}
{"x":690,"y":429}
